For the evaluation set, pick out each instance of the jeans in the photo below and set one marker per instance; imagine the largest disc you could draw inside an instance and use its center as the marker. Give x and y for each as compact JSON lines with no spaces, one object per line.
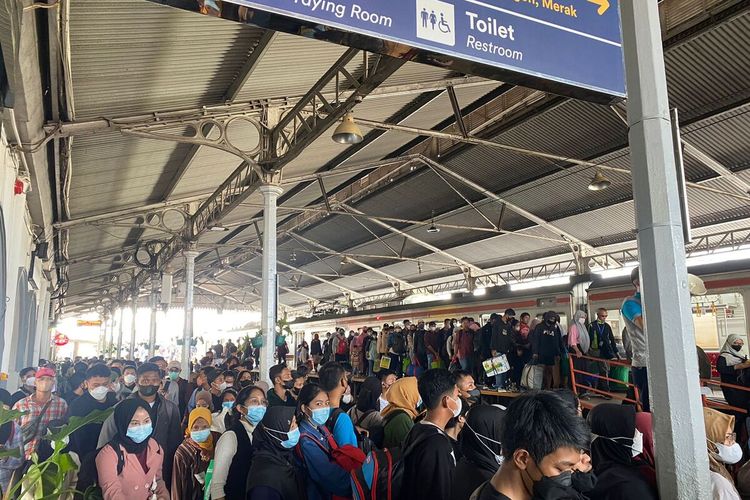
{"x":640,"y":379}
{"x":501,"y":379}
{"x":466,"y":364}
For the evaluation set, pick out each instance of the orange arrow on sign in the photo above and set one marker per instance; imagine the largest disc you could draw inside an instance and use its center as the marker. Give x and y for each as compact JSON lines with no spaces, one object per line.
{"x":603,"y":5}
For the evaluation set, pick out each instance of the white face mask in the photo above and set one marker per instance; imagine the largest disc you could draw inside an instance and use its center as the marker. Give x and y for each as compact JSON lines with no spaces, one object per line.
{"x":99,"y":393}
{"x":346,"y":399}
{"x":223,"y":386}
{"x":729,"y":454}
{"x":30,"y":382}
{"x":129,"y":379}
{"x":459,"y":406}
{"x":637,"y":447}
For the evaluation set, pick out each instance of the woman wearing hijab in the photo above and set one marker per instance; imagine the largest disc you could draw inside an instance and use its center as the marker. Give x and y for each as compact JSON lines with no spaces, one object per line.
{"x":398,"y":417}
{"x":234,"y":450}
{"x":192,"y":456}
{"x":616,"y":442}
{"x":723,"y":450}
{"x":273,"y":473}
{"x":324,"y":477}
{"x":481,"y":450}
{"x":130,"y":465}
{"x":730,"y":364}
{"x":366,"y":413}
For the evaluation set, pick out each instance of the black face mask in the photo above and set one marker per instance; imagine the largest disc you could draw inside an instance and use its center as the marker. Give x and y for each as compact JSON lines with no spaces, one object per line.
{"x":558,"y":487}
{"x":147,"y":390}
{"x":737,"y":347}
{"x":288,"y":384}
{"x":245,"y":383}
{"x":474,"y":396}
{"x":550,"y":322}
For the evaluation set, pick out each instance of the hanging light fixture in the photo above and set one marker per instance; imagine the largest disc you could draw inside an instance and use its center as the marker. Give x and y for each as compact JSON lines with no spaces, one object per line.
{"x":599,"y":182}
{"x":433,"y":228}
{"x":347,"y":132}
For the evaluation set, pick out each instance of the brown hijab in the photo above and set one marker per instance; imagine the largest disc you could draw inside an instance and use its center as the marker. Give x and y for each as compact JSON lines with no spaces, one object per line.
{"x":403,"y":395}
{"x":717,"y":424}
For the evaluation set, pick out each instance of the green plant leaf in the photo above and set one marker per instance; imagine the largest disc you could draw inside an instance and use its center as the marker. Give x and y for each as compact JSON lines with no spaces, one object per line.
{"x":75,"y":423}
{"x":7,"y":415}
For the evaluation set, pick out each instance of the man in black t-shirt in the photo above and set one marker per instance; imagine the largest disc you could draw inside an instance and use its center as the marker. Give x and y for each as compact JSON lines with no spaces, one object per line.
{"x":427,"y":449}
{"x":543,"y":446}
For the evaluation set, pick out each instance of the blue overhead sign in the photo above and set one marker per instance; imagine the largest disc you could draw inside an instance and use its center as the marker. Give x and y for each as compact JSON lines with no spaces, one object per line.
{"x":573,"y":42}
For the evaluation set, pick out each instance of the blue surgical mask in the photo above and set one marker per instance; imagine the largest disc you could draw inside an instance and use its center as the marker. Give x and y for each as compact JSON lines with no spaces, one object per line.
{"x":140,"y":433}
{"x":292,"y":438}
{"x":227,"y":405}
{"x":255,"y":414}
{"x":200,"y":436}
{"x":320,"y":415}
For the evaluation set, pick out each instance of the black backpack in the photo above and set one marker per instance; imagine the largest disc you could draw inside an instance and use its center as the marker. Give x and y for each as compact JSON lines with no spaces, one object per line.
{"x":382,"y":473}
{"x":364,"y":442}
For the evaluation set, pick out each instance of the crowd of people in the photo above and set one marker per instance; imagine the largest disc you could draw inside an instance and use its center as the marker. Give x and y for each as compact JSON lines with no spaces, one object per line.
{"x":414,"y":425}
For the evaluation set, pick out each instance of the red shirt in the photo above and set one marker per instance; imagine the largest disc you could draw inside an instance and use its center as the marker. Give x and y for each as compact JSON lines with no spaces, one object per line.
{"x":465,"y":343}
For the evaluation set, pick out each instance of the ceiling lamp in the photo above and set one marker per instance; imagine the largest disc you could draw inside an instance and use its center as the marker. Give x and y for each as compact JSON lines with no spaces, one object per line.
{"x":218,"y":228}
{"x":599,"y":182}
{"x":347,"y":132}
{"x":433,"y":228}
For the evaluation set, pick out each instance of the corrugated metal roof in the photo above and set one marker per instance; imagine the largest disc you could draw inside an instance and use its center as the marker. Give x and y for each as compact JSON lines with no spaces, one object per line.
{"x":131,"y":56}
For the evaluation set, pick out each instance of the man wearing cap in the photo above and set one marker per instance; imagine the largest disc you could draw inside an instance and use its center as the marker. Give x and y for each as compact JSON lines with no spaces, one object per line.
{"x":176,"y":389}
{"x":40,"y":409}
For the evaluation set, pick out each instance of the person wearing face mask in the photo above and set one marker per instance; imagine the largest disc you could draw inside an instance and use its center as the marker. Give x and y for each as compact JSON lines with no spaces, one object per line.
{"x":222,"y":419}
{"x":547,"y":349}
{"x":176,"y":388}
{"x":387,"y":379}
{"x":192,"y":457}
{"x":333,"y":379}
{"x":40,"y":408}
{"x":129,"y":379}
{"x":398,"y":417}
{"x":166,"y":416}
{"x":244,"y":379}
{"x":216,"y":384}
{"x":77,"y":387}
{"x":234,"y":450}
{"x":365,"y":415}
{"x":27,"y":385}
{"x":274,"y":473}
{"x":578,"y":345}
{"x":98,"y":396}
{"x":542,"y":441}
{"x":730,"y":365}
{"x":299,"y":381}
{"x":324,"y":477}
{"x":130,"y":463}
{"x":616,"y":443}
{"x":467,"y":388}
{"x":283,"y":383}
{"x":427,"y":447}
{"x":480,"y":448}
{"x":723,"y":450}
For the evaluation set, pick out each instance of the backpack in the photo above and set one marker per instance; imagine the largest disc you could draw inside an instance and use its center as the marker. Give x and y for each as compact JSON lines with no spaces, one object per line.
{"x":364,"y":443}
{"x":399,"y":345}
{"x":341,"y":347}
{"x":347,"y":457}
{"x":381,"y":474}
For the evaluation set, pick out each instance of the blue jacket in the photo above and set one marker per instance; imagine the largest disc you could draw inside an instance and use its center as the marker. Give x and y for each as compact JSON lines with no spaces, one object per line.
{"x":326,"y":478}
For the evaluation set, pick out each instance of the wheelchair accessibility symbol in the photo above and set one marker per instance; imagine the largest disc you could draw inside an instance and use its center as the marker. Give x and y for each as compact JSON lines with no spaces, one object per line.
{"x":436,"y":21}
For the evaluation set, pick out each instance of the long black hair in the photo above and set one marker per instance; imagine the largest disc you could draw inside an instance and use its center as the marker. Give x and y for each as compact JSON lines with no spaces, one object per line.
{"x":242,"y":398}
{"x":306,"y":395}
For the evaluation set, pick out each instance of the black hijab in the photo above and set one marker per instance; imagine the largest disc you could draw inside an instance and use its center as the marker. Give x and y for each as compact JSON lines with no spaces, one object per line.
{"x":369,"y":395}
{"x":273,"y":465}
{"x":488,"y":421}
{"x":612,"y":421}
{"x":123,"y":415}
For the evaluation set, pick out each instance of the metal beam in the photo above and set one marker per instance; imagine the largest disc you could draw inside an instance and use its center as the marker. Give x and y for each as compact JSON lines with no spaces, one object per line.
{"x":459,"y":261}
{"x":390,"y":277}
{"x":716,"y":166}
{"x":322,"y":280}
{"x":286,"y":289}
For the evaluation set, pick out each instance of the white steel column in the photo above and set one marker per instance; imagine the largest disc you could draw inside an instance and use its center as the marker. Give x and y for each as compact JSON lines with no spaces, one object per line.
{"x":271,"y":193}
{"x":134,"y":308}
{"x":118,"y":352}
{"x":187,"y":331}
{"x":154,"y":299}
{"x":681,"y":457}
{"x":111,"y":336}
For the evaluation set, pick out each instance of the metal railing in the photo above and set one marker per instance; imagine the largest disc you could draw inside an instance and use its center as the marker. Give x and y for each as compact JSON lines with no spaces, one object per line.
{"x":575,"y":385}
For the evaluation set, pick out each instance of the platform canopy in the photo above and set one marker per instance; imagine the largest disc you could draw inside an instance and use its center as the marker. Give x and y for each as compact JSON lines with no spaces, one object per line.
{"x":460,"y":182}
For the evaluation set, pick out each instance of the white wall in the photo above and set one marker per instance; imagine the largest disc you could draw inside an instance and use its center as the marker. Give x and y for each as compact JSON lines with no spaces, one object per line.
{"x":19,"y":241}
